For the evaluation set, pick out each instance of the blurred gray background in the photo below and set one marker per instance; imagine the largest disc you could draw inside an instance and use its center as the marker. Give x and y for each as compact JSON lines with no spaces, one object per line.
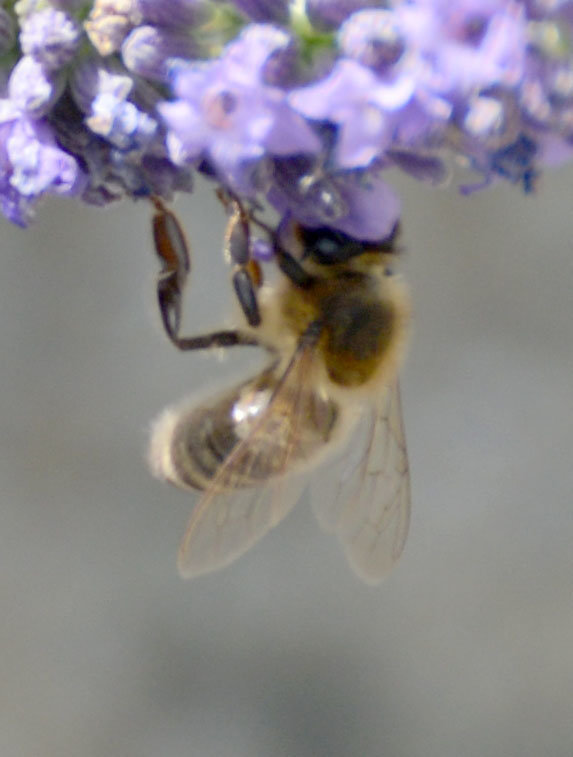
{"x":466,"y":650}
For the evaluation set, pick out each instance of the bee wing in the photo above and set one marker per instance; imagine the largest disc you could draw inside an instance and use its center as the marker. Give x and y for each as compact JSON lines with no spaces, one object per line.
{"x":228,"y":520}
{"x":367,"y":503}
{"x":225,"y":525}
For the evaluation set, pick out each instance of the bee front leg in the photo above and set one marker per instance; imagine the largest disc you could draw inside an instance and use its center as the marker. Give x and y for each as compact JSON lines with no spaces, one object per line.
{"x":247,"y":274}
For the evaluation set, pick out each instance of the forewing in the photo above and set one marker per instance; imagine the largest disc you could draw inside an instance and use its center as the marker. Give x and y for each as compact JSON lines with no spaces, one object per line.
{"x":367,"y":503}
{"x":225,"y":525}
{"x":228,"y":520}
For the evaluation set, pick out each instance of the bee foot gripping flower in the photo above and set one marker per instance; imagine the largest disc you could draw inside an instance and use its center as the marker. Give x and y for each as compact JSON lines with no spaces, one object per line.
{"x":302,"y":105}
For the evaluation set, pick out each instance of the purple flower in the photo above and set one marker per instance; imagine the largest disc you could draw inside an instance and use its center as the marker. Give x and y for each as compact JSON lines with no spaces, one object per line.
{"x":115,"y":108}
{"x":104,"y":120}
{"x":226,"y":113}
{"x":467,"y":44}
{"x":31,"y":164}
{"x":304,"y":102}
{"x":113,"y":116}
{"x":373,"y":38}
{"x":152,"y":52}
{"x":357,"y":203}
{"x":113,"y":173}
{"x":359,"y":103}
{"x":31,"y":89}
{"x":51,"y":37}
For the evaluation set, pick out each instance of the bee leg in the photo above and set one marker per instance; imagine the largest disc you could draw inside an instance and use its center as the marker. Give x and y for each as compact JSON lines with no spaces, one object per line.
{"x":247,"y":274}
{"x":173,"y":252}
{"x":225,"y":338}
{"x":244,"y":285}
{"x":238,"y":248}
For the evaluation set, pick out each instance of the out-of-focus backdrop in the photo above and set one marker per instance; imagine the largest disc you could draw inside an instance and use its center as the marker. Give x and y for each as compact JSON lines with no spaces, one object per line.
{"x":465,"y":651}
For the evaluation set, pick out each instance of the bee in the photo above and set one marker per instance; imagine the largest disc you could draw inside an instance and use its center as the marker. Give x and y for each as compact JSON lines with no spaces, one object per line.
{"x":335,"y":326}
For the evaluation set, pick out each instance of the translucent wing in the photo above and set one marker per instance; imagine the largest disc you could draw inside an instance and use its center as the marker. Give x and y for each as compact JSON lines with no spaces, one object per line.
{"x":225,"y":525}
{"x":258,"y":483}
{"x":366,"y":502}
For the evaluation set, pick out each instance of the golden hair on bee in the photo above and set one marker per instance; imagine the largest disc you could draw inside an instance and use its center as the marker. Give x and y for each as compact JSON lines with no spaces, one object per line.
{"x":362,"y":307}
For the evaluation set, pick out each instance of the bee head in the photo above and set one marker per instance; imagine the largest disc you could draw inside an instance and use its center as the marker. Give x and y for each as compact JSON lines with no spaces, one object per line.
{"x":327,"y":246}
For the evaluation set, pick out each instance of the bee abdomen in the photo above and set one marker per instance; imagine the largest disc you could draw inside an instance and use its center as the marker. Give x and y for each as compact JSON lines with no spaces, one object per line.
{"x":239,"y":441}
{"x":201,"y":444}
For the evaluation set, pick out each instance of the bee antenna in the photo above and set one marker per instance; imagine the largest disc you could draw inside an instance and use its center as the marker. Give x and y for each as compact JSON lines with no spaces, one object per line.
{"x":292,"y":269}
{"x":287,"y":263}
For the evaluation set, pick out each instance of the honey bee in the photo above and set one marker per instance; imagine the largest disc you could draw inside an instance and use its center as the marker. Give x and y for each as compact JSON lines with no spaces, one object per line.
{"x":336,"y":327}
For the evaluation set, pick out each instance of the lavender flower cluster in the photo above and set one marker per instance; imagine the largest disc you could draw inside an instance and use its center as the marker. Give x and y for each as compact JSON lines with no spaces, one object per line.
{"x":303,"y":105}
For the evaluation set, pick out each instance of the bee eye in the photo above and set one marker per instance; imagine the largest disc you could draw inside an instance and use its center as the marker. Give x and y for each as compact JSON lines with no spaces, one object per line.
{"x":328,"y":247}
